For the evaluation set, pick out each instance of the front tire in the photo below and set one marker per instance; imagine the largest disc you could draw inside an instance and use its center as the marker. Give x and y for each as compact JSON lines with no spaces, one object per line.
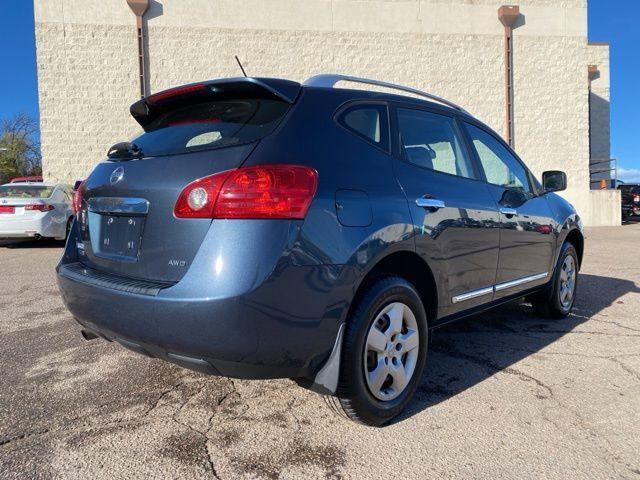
{"x":558,"y":300}
{"x":383,"y":353}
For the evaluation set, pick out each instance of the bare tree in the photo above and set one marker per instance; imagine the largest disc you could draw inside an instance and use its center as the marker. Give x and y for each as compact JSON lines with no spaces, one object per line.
{"x":19,"y":147}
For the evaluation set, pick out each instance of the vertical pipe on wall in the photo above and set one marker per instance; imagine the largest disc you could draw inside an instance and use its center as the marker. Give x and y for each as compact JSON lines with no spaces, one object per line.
{"x":139,"y":7}
{"x":592,"y":72}
{"x":507,"y":14}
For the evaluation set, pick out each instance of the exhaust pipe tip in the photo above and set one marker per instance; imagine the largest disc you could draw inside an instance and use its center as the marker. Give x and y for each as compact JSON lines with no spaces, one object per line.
{"x":88,"y":335}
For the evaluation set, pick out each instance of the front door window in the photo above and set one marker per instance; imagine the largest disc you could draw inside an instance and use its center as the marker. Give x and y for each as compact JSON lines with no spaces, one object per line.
{"x":500,"y":166}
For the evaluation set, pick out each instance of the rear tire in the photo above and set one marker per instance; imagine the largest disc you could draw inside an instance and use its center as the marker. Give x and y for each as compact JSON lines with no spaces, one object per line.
{"x":557,"y":300}
{"x":383,"y":353}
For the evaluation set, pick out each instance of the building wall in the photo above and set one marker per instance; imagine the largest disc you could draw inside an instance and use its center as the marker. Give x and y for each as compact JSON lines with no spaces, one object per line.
{"x":454,"y":48}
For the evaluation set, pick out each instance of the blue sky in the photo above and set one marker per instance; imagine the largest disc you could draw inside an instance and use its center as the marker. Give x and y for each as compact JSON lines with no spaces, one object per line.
{"x":18,"y":84}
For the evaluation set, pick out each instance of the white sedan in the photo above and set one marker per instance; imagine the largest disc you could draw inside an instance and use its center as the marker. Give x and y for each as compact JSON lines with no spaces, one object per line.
{"x":35,"y":210}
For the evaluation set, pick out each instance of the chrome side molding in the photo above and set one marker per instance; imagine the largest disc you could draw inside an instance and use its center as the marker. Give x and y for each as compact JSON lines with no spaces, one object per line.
{"x":519,"y":281}
{"x":472,"y":294}
{"x":498,"y":287}
{"x":119,"y":205}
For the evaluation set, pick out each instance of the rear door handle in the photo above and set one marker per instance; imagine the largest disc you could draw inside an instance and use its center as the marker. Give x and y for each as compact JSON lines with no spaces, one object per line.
{"x":509,"y":212}
{"x":432,"y":203}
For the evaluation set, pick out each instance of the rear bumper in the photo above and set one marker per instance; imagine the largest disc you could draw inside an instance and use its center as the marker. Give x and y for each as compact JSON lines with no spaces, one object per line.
{"x":278,"y":329}
{"x":12,"y":234}
{"x":28,"y":228}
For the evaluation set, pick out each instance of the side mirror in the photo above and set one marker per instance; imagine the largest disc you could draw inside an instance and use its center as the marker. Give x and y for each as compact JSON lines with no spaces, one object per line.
{"x":554,"y":181}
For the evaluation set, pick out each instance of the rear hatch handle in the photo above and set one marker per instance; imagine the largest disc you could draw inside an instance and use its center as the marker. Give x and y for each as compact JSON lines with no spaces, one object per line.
{"x":119,"y":205}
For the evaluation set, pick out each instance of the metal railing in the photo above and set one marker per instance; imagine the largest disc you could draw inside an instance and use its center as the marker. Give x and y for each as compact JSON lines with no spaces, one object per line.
{"x":603,"y":169}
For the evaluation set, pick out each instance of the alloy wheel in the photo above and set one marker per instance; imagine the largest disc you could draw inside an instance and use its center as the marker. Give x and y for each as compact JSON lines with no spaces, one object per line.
{"x":567,"y":281}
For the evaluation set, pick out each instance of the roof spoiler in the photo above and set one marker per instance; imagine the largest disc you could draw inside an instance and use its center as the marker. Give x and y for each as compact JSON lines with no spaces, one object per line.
{"x":148,"y":109}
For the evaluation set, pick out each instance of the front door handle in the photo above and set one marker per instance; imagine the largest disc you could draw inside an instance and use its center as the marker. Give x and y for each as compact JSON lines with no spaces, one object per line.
{"x":431,"y":203}
{"x":509,"y":212}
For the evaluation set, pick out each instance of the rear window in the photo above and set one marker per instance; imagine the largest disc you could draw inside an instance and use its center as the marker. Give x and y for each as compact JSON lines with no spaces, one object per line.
{"x":370,"y":122}
{"x":210,"y":125}
{"x":25,"y":191}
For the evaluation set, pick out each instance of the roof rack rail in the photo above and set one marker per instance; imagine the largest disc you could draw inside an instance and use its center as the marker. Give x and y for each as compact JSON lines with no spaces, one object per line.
{"x":329,"y":80}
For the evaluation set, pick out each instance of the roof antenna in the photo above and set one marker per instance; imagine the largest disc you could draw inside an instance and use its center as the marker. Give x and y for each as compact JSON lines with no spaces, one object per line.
{"x":240,"y":65}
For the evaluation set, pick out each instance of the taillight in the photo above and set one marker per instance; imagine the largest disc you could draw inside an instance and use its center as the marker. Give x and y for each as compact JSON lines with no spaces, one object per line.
{"x":262,"y":191}
{"x":198,"y":199}
{"x":40,"y":207}
{"x":267,"y":191}
{"x":76,"y":198}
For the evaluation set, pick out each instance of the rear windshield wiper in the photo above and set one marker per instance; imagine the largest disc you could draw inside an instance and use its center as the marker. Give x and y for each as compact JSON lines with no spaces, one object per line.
{"x":124,"y":151}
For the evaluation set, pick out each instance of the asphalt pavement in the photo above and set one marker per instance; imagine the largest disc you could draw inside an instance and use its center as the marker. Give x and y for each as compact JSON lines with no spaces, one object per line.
{"x":505,"y":395}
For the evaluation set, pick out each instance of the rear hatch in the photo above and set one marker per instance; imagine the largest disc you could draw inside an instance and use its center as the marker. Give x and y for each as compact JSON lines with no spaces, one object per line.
{"x":127,"y":223}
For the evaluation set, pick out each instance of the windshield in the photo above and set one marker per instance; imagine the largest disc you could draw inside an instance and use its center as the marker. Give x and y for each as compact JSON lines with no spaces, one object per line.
{"x":210,"y":125}
{"x":25,"y":191}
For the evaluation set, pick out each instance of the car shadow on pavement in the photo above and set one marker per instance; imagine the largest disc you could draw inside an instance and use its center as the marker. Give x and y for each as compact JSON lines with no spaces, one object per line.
{"x":27,"y":244}
{"x":467,"y":352}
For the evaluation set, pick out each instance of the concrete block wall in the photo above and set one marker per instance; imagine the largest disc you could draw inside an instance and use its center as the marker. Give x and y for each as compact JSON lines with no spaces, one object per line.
{"x":87,"y":79}
{"x":603,"y":208}
{"x":454,"y":48}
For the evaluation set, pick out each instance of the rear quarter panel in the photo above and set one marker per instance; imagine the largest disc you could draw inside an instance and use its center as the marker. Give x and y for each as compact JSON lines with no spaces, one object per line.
{"x":345,"y":163}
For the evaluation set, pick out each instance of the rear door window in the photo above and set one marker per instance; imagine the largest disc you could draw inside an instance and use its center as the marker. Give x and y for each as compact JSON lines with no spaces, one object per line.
{"x":431,"y":141}
{"x":369,"y":122}
{"x":211,"y":125}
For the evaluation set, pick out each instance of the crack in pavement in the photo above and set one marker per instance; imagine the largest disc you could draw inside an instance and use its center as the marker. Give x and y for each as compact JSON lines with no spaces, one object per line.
{"x":626,"y":368}
{"x":580,"y":422}
{"x":617,"y":324}
{"x":495,"y":367}
{"x":71,"y":430}
{"x":203,"y":434}
{"x":22,"y":436}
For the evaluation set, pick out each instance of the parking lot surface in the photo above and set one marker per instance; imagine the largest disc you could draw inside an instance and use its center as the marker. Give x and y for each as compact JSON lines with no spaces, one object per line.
{"x":505,"y":394}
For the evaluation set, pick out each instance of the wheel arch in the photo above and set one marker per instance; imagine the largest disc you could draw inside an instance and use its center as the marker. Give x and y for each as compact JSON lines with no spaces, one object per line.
{"x":410,"y":266}
{"x":576,"y":238}
{"x":403,"y":263}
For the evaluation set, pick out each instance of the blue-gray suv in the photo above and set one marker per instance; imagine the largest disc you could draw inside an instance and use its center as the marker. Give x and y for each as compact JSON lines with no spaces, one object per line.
{"x":262,"y":228}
